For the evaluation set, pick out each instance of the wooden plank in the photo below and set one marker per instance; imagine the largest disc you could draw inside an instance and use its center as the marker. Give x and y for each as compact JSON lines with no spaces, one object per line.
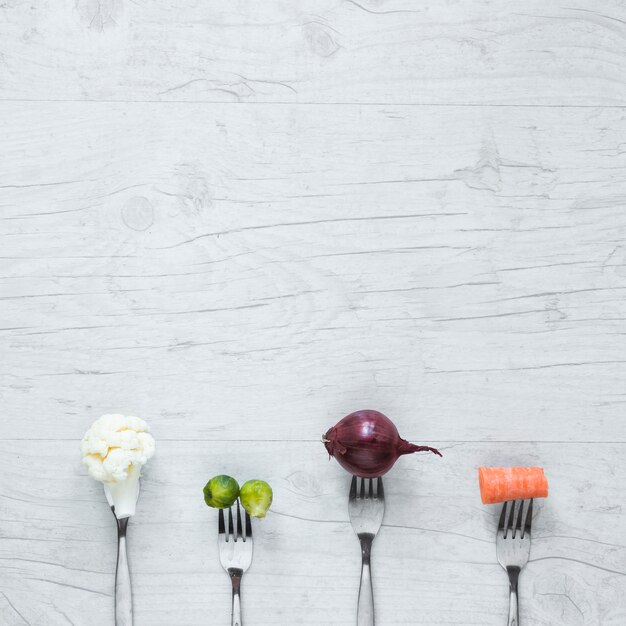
{"x":460,"y":269}
{"x":434,"y":560}
{"x":381,"y":51}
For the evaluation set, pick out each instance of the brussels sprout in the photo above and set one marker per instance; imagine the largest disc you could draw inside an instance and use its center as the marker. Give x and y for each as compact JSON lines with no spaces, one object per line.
{"x":256,"y":497}
{"x":221,"y":491}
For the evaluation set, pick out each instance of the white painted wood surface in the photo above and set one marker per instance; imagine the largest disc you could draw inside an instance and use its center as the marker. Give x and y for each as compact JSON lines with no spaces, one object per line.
{"x":243,"y":221}
{"x":385,"y":51}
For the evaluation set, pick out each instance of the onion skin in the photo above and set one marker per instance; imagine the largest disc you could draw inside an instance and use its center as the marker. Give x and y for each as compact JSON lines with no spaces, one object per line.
{"x":366,"y":443}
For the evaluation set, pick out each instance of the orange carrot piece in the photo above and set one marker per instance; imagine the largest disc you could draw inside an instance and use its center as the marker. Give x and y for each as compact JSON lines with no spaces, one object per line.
{"x":498,"y":484}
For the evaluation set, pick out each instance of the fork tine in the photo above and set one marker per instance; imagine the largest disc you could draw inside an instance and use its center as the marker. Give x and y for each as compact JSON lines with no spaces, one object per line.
{"x":511,"y":519}
{"x":352,"y":495}
{"x":230,"y":523}
{"x":529,"y":518}
{"x":502,"y":521}
{"x":248,"y":527}
{"x":520,"y":517}
{"x":379,"y":489}
{"x":362,"y":489}
{"x":220,"y":522}
{"x":371,"y":488}
{"x":239,"y":531}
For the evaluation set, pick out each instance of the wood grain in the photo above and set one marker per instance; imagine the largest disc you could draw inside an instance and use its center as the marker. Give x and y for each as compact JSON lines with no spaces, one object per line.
{"x":261,"y":272}
{"x":241,"y":222}
{"x":381,"y":51}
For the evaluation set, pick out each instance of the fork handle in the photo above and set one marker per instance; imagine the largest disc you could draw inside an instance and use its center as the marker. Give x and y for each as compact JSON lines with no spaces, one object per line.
{"x":235,"y":579}
{"x":513,"y":573}
{"x":365,"y":607}
{"x":123,"y":593}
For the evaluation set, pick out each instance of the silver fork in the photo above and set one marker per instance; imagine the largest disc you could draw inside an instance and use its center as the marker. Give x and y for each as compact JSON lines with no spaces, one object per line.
{"x":366,"y":507}
{"x":235,"y":549}
{"x":123,"y":590}
{"x":513,"y":547}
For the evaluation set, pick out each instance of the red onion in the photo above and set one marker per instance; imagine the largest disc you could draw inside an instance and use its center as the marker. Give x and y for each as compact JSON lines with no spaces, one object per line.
{"x":367,"y":444}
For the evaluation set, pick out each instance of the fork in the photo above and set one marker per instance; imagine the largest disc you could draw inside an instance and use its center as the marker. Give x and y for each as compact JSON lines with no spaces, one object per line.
{"x":235,"y":548}
{"x":513,"y":547}
{"x":123,"y":590}
{"x":366,"y":507}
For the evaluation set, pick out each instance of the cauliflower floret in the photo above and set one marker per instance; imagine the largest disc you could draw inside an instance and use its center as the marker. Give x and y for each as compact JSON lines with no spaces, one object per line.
{"x":114,"y":444}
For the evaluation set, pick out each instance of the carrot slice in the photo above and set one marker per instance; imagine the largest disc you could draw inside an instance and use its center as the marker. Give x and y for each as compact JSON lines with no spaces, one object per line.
{"x":498,"y":484}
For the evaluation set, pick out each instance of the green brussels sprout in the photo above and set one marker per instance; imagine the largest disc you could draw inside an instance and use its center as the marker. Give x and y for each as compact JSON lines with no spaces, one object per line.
{"x":256,"y":497}
{"x":221,"y":491}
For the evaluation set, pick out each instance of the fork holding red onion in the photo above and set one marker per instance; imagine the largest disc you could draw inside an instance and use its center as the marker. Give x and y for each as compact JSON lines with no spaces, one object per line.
{"x":367,"y":443}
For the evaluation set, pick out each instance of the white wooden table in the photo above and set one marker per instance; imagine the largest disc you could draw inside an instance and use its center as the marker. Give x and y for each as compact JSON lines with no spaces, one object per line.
{"x":242,"y":221}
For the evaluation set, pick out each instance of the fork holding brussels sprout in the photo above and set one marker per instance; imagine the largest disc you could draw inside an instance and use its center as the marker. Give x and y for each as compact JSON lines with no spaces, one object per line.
{"x":222,"y":492}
